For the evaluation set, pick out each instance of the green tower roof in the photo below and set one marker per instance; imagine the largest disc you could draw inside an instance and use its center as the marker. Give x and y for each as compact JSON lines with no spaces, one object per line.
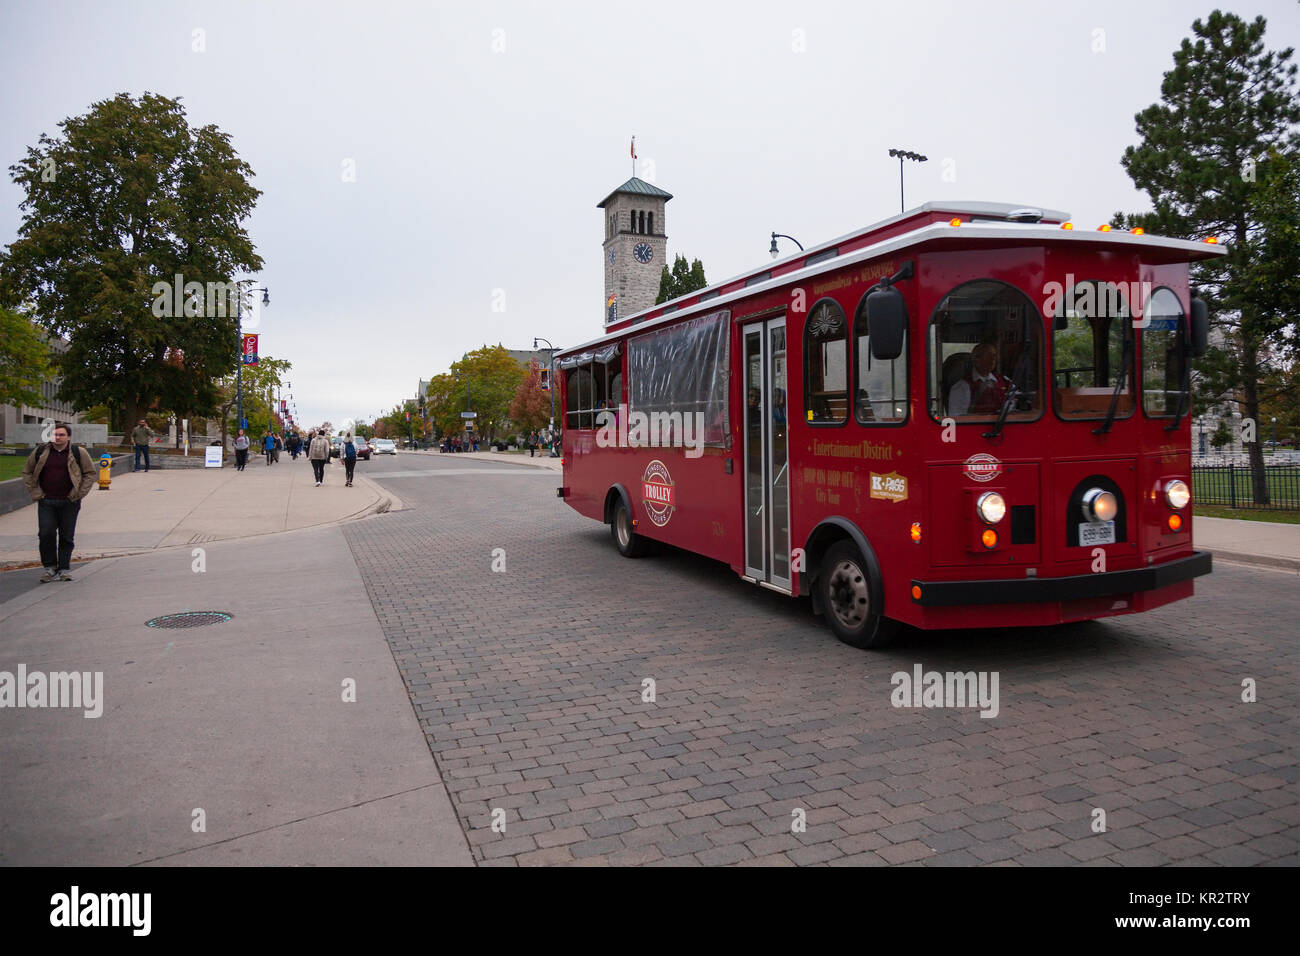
{"x":636,"y":187}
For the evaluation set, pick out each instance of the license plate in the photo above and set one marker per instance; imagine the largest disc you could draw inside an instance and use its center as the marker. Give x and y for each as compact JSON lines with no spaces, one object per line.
{"x":1096,"y":532}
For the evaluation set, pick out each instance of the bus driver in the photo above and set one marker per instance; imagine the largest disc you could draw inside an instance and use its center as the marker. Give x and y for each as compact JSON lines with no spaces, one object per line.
{"x":983,"y":390}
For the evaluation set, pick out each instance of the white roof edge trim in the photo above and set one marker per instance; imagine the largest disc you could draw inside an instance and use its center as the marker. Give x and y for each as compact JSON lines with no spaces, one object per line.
{"x":970,"y":207}
{"x":983,"y":230}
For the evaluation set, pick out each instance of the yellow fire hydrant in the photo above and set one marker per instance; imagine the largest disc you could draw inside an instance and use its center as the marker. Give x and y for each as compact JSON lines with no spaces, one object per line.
{"x":105,"y":470}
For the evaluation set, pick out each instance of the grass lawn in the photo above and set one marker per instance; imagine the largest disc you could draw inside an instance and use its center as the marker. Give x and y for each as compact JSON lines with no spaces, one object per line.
{"x":1281,"y":517}
{"x":11,"y":466}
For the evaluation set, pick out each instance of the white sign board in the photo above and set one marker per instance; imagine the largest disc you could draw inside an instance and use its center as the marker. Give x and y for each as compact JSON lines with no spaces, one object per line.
{"x":212,"y":456}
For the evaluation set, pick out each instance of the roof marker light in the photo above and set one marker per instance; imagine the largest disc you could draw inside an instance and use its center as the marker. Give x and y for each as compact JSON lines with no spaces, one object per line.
{"x":1213,"y":240}
{"x":1138,"y":231}
{"x":1067,"y":225}
{"x":1104,"y":227}
{"x":954,"y":222}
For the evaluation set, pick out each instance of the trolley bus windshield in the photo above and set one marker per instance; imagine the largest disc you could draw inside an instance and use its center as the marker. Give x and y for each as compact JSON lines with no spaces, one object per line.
{"x":985,"y":353}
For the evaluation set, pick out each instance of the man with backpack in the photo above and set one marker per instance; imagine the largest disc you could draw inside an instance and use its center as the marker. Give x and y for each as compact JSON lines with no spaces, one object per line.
{"x":349,"y":455}
{"x":58,"y":475}
{"x":319,"y":454}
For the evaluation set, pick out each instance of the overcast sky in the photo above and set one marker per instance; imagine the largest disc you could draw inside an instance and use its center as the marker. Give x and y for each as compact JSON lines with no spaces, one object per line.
{"x":483,"y":135}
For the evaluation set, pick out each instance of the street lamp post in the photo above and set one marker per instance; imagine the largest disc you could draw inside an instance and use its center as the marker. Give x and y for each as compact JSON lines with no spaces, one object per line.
{"x":550,"y":378}
{"x":780,"y":235}
{"x":903,"y":154}
{"x":1275,"y":435}
{"x":239,"y":325}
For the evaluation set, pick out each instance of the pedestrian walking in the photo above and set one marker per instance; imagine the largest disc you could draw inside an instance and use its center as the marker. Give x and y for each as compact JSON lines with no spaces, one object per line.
{"x":349,"y":455}
{"x":319,"y":453}
{"x":241,"y":450}
{"x":268,"y":446}
{"x":141,"y":436}
{"x":57,"y":475}
{"x":279,"y":444}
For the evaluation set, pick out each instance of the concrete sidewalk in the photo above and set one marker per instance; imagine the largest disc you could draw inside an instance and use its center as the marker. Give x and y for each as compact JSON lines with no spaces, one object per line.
{"x":1268,"y":544}
{"x":158,"y":509}
{"x":242,"y":724}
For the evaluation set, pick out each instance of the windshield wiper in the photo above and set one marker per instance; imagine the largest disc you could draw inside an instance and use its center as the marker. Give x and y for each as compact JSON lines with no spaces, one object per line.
{"x":1104,"y":427}
{"x":1013,"y":392}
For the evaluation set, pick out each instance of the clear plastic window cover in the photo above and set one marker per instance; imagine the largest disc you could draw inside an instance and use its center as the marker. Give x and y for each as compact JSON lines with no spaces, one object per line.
{"x":604,"y":354}
{"x":684,"y":368}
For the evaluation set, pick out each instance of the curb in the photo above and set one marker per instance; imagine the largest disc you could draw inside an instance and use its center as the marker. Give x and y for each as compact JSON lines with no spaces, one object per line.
{"x":1257,"y":560}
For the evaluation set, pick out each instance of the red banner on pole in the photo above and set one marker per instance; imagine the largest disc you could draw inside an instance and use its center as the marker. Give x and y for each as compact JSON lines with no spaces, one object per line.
{"x":248,"y":354}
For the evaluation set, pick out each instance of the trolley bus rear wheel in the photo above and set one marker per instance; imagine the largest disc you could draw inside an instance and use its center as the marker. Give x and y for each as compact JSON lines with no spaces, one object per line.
{"x":847,"y":586}
{"x":629,"y":543}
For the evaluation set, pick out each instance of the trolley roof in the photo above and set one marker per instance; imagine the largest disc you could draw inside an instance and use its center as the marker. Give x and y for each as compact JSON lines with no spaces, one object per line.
{"x":1003,"y":223}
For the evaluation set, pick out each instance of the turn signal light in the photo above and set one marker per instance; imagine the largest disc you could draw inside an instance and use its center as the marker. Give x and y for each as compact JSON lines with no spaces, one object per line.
{"x":954,"y":222}
{"x":916,"y":592}
{"x":990,"y":538}
{"x":916,"y":532}
{"x":1175,"y":522}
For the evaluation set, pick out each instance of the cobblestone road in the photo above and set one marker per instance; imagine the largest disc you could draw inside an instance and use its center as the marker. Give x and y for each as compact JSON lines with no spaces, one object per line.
{"x":528,"y":683}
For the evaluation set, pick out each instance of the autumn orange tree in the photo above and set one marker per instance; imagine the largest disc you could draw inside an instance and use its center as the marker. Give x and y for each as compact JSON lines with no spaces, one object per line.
{"x":531,"y":407}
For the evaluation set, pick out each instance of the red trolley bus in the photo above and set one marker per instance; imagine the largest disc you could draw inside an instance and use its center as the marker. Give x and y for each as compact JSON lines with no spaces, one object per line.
{"x":971,"y":414}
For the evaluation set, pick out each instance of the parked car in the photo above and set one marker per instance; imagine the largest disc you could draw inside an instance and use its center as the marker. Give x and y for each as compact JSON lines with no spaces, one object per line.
{"x":385,"y":446}
{"x":363,"y":450}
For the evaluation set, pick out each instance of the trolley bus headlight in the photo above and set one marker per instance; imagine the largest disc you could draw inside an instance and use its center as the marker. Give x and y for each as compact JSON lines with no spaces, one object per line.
{"x":1177,"y":494}
{"x":991,"y":507}
{"x":1099,"y":505}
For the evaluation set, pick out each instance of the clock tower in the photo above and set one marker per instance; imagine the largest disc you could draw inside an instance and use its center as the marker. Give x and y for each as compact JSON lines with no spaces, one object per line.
{"x":635,"y":247}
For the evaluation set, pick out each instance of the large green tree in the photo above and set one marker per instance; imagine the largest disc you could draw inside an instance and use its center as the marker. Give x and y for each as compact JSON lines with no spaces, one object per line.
{"x":484,"y":381}
{"x":24,"y":360}
{"x":128,"y":196}
{"x":682,"y":280}
{"x":258,"y":382}
{"x":1217,"y":158}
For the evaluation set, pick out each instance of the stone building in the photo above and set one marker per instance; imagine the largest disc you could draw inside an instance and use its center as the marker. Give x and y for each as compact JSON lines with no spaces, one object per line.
{"x":635,"y":247}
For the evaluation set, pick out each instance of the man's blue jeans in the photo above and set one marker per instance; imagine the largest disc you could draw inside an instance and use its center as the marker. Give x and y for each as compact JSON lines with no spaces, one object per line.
{"x":141,"y":449}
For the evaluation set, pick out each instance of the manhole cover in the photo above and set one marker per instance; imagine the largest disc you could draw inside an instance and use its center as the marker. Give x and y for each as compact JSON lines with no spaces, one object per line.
{"x":190,"y":619}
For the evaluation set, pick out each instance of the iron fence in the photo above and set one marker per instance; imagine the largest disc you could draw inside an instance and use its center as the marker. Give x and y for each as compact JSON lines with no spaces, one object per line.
{"x":1232,"y":486}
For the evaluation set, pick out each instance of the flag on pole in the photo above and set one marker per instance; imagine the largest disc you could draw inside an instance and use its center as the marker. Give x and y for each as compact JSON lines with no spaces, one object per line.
{"x":634,"y":147}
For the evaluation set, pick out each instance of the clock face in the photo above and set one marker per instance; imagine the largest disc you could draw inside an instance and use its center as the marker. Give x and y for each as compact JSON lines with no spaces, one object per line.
{"x":643,"y":252}
{"x":611,"y":256}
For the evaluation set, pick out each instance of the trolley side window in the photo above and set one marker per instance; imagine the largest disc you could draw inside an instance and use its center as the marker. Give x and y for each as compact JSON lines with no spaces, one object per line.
{"x":593,"y":383}
{"x":825,"y":371}
{"x":880,"y":394}
{"x":985,"y":351}
{"x":1092,"y":341}
{"x":679,"y":375}
{"x":1163,"y":352}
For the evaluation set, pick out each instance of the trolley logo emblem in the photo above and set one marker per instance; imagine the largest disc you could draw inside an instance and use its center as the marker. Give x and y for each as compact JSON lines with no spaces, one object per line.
{"x":889,"y":487}
{"x":658,"y":493}
{"x":982,"y":467}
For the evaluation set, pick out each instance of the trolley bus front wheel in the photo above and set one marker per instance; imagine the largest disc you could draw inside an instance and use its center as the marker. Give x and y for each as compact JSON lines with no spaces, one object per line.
{"x":629,"y":543}
{"x":847,"y":584}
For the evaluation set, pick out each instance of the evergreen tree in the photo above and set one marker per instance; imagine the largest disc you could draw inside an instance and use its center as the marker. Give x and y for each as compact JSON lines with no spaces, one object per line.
{"x":684,"y":279}
{"x":1218,"y":157}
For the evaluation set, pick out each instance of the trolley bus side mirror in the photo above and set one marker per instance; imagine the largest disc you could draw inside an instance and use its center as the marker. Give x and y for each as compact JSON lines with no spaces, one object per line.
{"x":887,"y":322}
{"x":1200,"y":328}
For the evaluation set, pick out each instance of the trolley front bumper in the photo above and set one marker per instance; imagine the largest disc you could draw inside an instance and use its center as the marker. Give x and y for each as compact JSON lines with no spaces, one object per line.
{"x":1076,"y":587}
